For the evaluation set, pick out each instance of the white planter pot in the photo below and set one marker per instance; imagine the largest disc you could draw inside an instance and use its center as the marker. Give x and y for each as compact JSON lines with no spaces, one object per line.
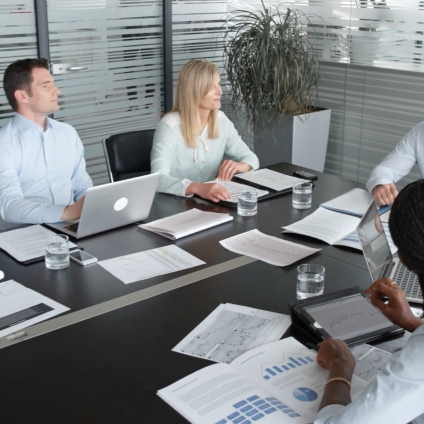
{"x":301,"y":140}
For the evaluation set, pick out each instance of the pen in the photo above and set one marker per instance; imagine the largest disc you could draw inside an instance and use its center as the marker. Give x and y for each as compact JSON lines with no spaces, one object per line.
{"x":312,"y":346}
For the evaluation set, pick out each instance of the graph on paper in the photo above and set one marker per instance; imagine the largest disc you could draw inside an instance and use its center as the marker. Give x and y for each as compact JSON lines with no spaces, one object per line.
{"x":290,"y":362}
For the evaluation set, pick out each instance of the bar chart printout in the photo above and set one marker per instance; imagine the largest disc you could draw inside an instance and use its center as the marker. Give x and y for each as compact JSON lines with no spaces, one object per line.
{"x":272,"y":370}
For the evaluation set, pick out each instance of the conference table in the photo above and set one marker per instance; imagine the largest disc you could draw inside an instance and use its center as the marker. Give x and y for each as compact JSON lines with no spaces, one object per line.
{"x":104,"y":360}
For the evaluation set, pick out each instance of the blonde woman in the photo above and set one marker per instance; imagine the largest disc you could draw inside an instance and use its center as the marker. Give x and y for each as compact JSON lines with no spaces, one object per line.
{"x":191,"y":141}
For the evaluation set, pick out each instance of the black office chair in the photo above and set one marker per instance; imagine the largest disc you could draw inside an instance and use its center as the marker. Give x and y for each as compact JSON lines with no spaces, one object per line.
{"x":128,"y":154}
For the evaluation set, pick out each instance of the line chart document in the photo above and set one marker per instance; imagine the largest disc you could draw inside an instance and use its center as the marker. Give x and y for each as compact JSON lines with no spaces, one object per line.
{"x":27,"y":243}
{"x":186,"y":223}
{"x":271,"y":179}
{"x":369,"y":361}
{"x":236,"y":188}
{"x":266,"y":248}
{"x":21,"y":307}
{"x":230,"y":330}
{"x":325,"y":225}
{"x":150,"y":263}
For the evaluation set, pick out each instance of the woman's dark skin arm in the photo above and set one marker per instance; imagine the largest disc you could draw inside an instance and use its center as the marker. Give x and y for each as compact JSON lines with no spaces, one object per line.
{"x":335,"y":356}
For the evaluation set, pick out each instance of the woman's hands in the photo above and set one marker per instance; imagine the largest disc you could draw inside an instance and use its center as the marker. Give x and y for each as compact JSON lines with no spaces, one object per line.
{"x":228,"y":168}
{"x":397,"y":308}
{"x":210,"y":191}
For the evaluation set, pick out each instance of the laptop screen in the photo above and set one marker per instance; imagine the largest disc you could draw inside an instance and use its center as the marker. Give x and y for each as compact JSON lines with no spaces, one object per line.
{"x":374,"y":243}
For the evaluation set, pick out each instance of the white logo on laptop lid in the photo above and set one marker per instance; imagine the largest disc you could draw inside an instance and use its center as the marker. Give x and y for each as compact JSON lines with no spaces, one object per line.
{"x":120,"y":204}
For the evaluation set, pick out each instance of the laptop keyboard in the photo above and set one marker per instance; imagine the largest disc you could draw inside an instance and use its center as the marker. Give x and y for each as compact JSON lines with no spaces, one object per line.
{"x":408,"y":281}
{"x":72,"y":227}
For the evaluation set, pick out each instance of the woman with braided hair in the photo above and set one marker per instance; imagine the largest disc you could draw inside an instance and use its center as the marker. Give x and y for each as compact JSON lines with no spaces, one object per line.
{"x":396,"y":396}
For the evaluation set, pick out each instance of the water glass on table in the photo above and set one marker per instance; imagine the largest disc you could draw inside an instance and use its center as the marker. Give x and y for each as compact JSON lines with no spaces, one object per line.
{"x":57,"y":252}
{"x":310,"y":280}
{"x":247,"y":204}
{"x":302,"y":195}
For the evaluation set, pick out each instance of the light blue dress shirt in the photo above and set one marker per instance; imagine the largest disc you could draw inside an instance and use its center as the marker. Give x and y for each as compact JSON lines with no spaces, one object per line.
{"x":396,"y":396}
{"x":400,"y":161}
{"x":41,"y":172}
{"x":179,"y":165}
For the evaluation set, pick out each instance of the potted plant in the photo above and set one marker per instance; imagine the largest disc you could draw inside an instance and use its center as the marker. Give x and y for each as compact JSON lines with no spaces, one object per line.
{"x":273,"y":71}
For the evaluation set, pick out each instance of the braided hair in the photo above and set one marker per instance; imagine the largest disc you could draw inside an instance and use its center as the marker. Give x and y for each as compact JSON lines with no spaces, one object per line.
{"x":406,"y":225}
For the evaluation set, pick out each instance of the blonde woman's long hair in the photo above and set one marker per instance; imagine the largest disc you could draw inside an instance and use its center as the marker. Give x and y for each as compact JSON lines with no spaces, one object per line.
{"x":196,"y":79}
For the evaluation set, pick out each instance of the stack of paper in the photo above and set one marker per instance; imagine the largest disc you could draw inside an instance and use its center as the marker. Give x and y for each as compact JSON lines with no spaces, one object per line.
{"x":266,"y":248}
{"x":325,"y":225}
{"x":354,"y":202}
{"x":271,"y":179}
{"x":186,"y":223}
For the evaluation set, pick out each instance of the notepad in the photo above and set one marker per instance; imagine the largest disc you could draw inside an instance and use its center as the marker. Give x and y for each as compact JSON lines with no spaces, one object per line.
{"x":270,"y":179}
{"x":185,"y":223}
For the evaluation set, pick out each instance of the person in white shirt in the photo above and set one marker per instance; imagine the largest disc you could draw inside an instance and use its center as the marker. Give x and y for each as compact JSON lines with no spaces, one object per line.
{"x":396,"y":394}
{"x":191,"y":141}
{"x":396,"y":165}
{"x":42,"y":167}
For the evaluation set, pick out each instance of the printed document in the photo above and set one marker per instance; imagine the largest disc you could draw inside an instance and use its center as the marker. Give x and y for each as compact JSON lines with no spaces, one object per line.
{"x":27,"y":243}
{"x":231,"y":330}
{"x":325,"y":225}
{"x":277,"y":383}
{"x":21,"y":307}
{"x":235,"y":189}
{"x":186,"y":223}
{"x":269,"y":249}
{"x":369,"y":361}
{"x":150,"y":263}
{"x":271,"y":179}
{"x":354,"y":202}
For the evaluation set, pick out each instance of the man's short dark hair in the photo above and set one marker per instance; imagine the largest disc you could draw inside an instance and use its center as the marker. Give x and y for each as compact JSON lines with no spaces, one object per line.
{"x":18,"y":76}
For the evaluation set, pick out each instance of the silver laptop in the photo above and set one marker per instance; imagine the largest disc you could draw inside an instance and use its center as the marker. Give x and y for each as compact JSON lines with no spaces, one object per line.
{"x":379,"y":258}
{"x":113,"y":205}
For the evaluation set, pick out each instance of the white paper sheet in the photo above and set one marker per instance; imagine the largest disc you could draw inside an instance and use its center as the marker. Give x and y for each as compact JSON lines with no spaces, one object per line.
{"x":150,"y":263}
{"x":230,"y":330}
{"x":369,"y":361}
{"x":236,"y":188}
{"x":186,"y":223}
{"x":325,"y":225}
{"x":27,"y":243}
{"x":266,"y":248}
{"x":354,"y":202}
{"x":21,"y":307}
{"x":271,"y":179}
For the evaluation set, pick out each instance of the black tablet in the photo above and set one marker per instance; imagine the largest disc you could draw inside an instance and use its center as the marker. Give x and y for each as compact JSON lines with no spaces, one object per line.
{"x":345,"y":315}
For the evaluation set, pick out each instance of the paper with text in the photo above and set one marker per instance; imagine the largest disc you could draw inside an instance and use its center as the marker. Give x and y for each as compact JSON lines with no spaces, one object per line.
{"x":325,"y":225}
{"x":27,"y":243}
{"x":21,"y":307}
{"x":186,"y":223}
{"x":369,"y":361}
{"x":231,"y":330}
{"x":236,"y":188}
{"x":271,"y":179}
{"x":148,"y":264}
{"x":266,"y":248}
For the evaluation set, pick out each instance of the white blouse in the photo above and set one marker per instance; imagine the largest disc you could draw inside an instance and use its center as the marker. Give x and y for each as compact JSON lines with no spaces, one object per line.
{"x":179,"y":165}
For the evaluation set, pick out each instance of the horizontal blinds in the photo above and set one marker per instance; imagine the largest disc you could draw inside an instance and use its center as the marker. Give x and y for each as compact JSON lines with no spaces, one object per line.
{"x":17,"y":41}
{"x":114,"y":56}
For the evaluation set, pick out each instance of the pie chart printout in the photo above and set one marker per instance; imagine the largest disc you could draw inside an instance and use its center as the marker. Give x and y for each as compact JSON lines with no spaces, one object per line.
{"x":305,"y":395}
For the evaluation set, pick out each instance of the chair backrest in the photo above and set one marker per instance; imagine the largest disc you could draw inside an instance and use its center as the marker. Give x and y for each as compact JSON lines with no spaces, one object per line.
{"x":128,"y":154}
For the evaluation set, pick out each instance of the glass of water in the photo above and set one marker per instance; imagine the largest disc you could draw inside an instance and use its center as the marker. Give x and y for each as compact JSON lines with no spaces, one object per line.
{"x":57,"y":252}
{"x":310,"y":280}
{"x":247,"y":204}
{"x":302,"y":195}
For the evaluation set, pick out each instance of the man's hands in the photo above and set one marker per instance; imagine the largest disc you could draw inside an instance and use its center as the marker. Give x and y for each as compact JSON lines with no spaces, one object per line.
{"x":335,"y":353}
{"x":210,"y":191}
{"x":228,"y":168}
{"x":73,"y":212}
{"x":397,"y":308}
{"x":385,"y":194}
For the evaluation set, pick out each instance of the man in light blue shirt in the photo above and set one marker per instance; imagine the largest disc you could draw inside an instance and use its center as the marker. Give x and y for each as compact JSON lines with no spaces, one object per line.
{"x":42,"y":167}
{"x":396,"y":165}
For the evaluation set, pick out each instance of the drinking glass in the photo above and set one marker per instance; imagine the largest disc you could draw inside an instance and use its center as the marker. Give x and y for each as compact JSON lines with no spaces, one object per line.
{"x":302,"y":195}
{"x":57,"y":252}
{"x":247,"y":204}
{"x":310,"y":280}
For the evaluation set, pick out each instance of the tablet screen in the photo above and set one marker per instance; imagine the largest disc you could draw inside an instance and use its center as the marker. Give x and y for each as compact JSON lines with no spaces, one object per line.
{"x":347,"y":318}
